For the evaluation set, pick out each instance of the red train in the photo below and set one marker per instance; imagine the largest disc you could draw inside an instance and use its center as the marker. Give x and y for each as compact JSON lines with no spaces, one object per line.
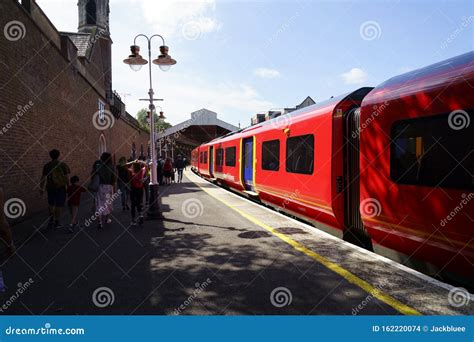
{"x":389,"y":168}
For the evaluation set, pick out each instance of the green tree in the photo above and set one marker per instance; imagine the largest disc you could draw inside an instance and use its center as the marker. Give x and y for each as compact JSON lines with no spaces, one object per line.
{"x":142,"y":120}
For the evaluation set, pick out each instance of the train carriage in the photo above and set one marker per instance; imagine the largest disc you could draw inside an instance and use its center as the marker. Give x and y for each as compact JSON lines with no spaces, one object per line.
{"x":387,"y":168}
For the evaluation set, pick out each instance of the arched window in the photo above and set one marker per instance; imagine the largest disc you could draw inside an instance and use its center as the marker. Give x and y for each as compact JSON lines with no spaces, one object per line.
{"x":102,"y":145}
{"x":91,"y":12}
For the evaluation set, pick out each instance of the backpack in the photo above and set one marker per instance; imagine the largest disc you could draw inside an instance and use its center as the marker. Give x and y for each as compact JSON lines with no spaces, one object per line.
{"x":58,"y":177}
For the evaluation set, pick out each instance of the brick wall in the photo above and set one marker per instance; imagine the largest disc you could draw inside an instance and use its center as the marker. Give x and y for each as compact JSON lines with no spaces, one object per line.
{"x":46,"y":102}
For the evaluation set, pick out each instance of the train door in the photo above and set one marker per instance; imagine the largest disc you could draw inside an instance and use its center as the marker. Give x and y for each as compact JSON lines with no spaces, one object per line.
{"x":211,"y":161}
{"x":247,"y":165}
{"x":354,"y":230}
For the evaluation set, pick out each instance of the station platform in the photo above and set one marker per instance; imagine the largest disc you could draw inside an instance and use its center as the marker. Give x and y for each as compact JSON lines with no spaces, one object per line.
{"x":215,"y":253}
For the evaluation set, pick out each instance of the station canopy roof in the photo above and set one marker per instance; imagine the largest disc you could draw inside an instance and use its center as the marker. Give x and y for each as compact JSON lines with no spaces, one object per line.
{"x":203,"y":126}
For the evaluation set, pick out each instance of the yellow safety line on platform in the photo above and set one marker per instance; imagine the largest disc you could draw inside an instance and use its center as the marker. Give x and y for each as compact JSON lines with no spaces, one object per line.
{"x":372,"y":290}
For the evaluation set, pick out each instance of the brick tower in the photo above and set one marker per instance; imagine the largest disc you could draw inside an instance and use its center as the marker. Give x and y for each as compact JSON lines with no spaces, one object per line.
{"x":93,"y":15}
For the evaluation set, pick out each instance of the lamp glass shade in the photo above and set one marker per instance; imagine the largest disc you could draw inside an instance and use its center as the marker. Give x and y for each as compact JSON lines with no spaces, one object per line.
{"x":135,"y":67}
{"x":165,"y":67}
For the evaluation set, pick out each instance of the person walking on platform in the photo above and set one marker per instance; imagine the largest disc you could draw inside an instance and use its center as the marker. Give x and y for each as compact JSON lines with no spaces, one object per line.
{"x":74,"y":192}
{"x":137,"y":170}
{"x":168,"y":171}
{"x":55,"y":179}
{"x":123,"y":181}
{"x":180,"y":166}
{"x":159,"y":171}
{"x":107,"y":179}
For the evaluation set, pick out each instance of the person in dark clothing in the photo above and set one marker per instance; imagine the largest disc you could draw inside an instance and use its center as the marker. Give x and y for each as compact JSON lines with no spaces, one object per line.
{"x":123,"y":181}
{"x":74,"y":192}
{"x":159,"y":171}
{"x":107,"y":179}
{"x":55,"y":180}
{"x":180,"y":165}
{"x":137,"y":172}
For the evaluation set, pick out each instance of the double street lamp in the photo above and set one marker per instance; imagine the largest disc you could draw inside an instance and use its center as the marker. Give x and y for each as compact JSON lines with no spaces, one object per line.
{"x":164,"y":61}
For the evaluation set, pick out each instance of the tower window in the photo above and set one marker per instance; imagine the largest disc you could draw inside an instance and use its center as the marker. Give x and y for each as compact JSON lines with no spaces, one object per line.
{"x":91,"y":12}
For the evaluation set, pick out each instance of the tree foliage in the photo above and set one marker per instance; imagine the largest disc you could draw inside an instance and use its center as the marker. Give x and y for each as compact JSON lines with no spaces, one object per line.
{"x":142,"y":120}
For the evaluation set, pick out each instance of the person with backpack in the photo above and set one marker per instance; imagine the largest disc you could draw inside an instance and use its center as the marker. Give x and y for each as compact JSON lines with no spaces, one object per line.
{"x":55,"y":180}
{"x":138,"y":172}
{"x":107,"y":179}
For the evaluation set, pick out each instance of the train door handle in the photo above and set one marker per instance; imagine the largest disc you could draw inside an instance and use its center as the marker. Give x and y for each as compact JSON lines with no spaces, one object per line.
{"x":339,"y":184}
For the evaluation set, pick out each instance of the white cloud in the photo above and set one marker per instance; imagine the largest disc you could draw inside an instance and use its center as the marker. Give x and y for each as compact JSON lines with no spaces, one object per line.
{"x":267,"y":73}
{"x":183,"y":91}
{"x":190,"y":18}
{"x":355,"y":76}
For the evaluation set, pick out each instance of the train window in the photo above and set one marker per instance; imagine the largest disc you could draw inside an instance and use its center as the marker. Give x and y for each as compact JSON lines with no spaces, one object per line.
{"x":230,"y":154}
{"x":219,"y":157}
{"x":300,"y":154}
{"x":205,"y":157}
{"x":271,"y":155}
{"x":434,"y":151}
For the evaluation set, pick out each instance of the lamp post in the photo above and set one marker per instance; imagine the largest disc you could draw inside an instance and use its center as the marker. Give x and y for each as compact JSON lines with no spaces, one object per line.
{"x":164,"y":61}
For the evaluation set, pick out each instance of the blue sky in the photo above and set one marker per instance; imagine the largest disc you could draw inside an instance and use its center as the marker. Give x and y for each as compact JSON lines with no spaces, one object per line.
{"x":241,"y":57}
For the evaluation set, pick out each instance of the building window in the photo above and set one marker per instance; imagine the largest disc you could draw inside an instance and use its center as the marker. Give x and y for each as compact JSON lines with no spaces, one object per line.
{"x":428,"y":152}
{"x":91,"y":12}
{"x":271,"y":155}
{"x":102,"y":144}
{"x":300,"y":154}
{"x":101,"y":111}
{"x":230,"y":154}
{"x":219,"y":157}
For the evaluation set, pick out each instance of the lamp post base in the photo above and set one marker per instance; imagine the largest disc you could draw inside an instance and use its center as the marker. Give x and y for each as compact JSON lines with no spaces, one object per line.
{"x":154,"y":207}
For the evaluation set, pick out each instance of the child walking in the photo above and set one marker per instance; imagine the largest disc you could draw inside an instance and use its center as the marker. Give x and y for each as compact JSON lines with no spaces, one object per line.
{"x":74,"y":192}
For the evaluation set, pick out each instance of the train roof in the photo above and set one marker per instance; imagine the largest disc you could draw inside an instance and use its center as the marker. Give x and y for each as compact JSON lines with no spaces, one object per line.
{"x":459,"y":68}
{"x":324,"y":106}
